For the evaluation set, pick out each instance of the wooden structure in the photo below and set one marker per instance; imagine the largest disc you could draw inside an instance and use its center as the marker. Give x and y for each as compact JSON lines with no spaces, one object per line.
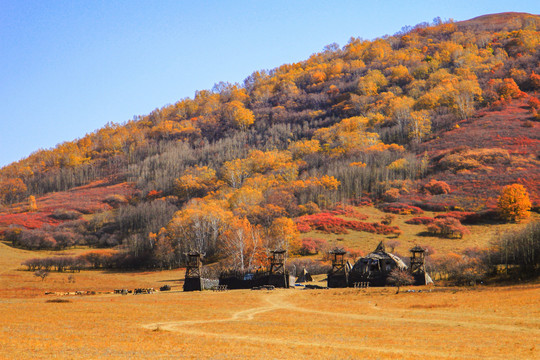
{"x":338,"y":277}
{"x":193,"y":280}
{"x":418,"y":266}
{"x":278,"y":275}
{"x":375,"y":267}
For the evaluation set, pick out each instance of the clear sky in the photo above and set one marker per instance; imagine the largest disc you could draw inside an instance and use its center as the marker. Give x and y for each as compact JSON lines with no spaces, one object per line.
{"x":69,"y":67}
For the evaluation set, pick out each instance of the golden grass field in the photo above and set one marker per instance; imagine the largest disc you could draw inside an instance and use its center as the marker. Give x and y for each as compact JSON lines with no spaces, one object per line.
{"x":437,"y":323}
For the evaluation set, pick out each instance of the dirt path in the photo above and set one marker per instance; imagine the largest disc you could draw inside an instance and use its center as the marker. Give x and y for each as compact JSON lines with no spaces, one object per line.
{"x":277,"y":301}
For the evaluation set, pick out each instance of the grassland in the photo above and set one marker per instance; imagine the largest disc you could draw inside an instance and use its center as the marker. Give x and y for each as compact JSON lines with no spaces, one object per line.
{"x":436,"y":323}
{"x":480,"y":235}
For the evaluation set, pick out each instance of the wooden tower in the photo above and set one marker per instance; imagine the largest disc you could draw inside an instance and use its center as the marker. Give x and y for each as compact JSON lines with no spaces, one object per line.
{"x":339,"y":275}
{"x":193,"y":280}
{"x":418,"y":260}
{"x":418,"y":266}
{"x":278,"y":276}
{"x":277,"y":262}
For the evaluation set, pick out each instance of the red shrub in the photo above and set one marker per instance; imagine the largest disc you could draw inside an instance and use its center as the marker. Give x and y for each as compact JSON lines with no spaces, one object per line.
{"x":448,"y":227}
{"x":348,"y":211}
{"x":423,"y":220}
{"x":391,"y":195}
{"x":312,"y":246}
{"x":534,"y":103}
{"x":463,"y":216}
{"x":435,"y":187}
{"x":354,"y":254}
{"x":328,"y":223}
{"x":154,"y":194}
{"x":399,"y":208}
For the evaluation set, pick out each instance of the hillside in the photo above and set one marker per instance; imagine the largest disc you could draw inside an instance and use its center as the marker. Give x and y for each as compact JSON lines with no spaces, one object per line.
{"x":439,"y":117}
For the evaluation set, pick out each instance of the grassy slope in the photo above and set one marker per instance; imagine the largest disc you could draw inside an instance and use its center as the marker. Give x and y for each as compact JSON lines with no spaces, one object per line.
{"x":480,"y":235}
{"x":506,"y":129}
{"x":86,"y":199}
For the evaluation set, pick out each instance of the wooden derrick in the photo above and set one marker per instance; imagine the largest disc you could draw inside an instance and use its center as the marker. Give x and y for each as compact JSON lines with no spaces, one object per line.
{"x":418,"y":266}
{"x":278,"y":275}
{"x":418,"y":260}
{"x":339,"y":275}
{"x":277,"y":261}
{"x":193,"y":280}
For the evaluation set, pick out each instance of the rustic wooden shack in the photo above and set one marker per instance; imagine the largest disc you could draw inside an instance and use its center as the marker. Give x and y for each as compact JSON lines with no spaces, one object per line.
{"x":375,"y":267}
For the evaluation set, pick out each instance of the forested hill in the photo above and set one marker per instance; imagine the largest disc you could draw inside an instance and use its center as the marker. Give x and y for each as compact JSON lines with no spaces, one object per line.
{"x":348,"y":124}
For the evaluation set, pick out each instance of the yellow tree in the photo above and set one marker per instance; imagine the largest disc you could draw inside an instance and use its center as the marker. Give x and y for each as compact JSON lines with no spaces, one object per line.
{"x":419,"y":125}
{"x":32,"y":205}
{"x":348,"y":135}
{"x":196,"y":182}
{"x":241,"y":244}
{"x":200,"y":226}
{"x":514,"y":203}
{"x":11,"y":189}
{"x":239,"y":115}
{"x":163,"y":249}
{"x":466,"y":94}
{"x":284,"y":234}
{"x":301,"y":148}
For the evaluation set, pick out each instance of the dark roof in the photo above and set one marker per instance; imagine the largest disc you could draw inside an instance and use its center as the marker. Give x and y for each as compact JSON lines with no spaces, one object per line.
{"x":417,"y":249}
{"x":381,"y":254}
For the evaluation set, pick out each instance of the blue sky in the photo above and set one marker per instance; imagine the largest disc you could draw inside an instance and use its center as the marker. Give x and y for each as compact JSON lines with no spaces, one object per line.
{"x":69,"y":67}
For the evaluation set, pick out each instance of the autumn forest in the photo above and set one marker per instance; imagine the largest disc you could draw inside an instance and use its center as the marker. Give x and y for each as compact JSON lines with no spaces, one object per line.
{"x":438,"y":122}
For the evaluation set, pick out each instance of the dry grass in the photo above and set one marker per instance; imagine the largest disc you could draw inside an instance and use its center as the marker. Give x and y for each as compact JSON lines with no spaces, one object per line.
{"x":437,"y":323}
{"x":494,"y":323}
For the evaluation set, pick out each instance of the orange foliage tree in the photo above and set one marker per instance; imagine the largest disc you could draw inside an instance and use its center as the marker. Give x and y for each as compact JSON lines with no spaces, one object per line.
{"x":514,"y":203}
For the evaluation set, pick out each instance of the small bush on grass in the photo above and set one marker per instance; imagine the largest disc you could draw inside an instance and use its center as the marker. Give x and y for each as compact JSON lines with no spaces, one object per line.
{"x":435,"y":187}
{"x":400,"y":208}
{"x":312,"y":246}
{"x":422,"y":220}
{"x":447,"y":227}
{"x":62,"y":214}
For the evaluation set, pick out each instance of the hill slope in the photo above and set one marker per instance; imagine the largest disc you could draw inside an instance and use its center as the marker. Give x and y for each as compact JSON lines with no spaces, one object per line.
{"x":231,"y":170}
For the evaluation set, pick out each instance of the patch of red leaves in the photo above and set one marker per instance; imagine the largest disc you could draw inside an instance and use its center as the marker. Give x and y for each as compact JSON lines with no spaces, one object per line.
{"x":329,"y":223}
{"x":348,"y":211}
{"x":422,"y":220}
{"x":85,"y":199}
{"x":489,"y":129}
{"x":401,"y":209}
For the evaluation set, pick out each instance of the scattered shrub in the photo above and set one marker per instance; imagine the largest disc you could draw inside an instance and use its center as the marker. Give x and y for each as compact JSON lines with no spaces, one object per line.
{"x":391,"y":195}
{"x":328,"y":223}
{"x":116,"y":200}
{"x":474,"y":159}
{"x":312,"y":246}
{"x":62,"y":214}
{"x":447,"y":227}
{"x":400,"y":208}
{"x":387,"y":219}
{"x":349,"y":211}
{"x":423,"y":220}
{"x":435,"y":187}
